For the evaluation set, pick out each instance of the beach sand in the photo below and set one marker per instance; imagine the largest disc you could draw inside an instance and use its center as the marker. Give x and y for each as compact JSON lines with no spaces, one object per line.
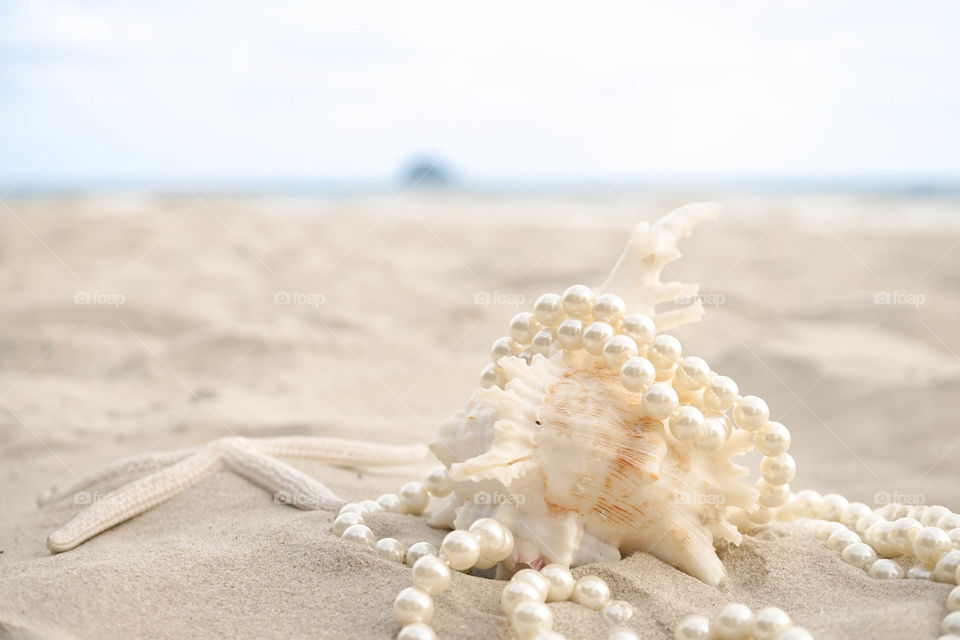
{"x":384,"y":339}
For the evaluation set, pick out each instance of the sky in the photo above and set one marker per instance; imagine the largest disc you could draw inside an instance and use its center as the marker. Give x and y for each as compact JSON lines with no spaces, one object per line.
{"x":502,"y":91}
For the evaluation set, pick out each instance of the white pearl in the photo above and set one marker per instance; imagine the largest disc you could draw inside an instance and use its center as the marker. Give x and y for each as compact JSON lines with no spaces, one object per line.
{"x":778,"y":470}
{"x":919,"y":572}
{"x":359,"y":534}
{"x":529,"y":617}
{"x":353,"y":507}
{"x":503,"y":347}
{"x":859,"y":554}
{"x":660,"y":400}
{"x":687,"y":424}
{"x":345,"y":520}
{"x":461,"y":549}
{"x":515,"y":593}
{"x":561,"y":582}
{"x":618,"y":350}
{"x":933,"y":514}
{"x":578,"y":301}
{"x":541,"y":584}
{"x":371,"y":506}
{"x":595,"y":336}
{"x":417,"y":631}
{"x":413,"y":605}
{"x":639,"y":327}
{"x":772,"y":441}
{"x":734,"y":622}
{"x":949,"y":522}
{"x":794,"y":633}
{"x":523,"y":326}
{"x":391,"y":502}
{"x":951,"y":623}
{"x":953,"y":599}
{"x":694,"y":628}
{"x":418,"y":550}
{"x":637,"y":374}
{"x":825,"y":529}
{"x":853,"y":512}
{"x":491,"y":375}
{"x":830,"y":506}
{"x":570,"y":334}
{"x":946,"y":568}
{"x":438,"y":482}
{"x":496,"y":540}
{"x":617,"y":612}
{"x":390,"y":549}
{"x":541,"y":342}
{"x":608,"y":308}
{"x":714,"y":434}
{"x":842,"y":539}
{"x":806,"y":501}
{"x":548,"y":309}
{"x":591,"y":592}
{"x":720,"y":394}
{"x":761,"y":515}
{"x":693,"y":373}
{"x":877,"y":536}
{"x":901,"y":535}
{"x":768,"y":622}
{"x":773,"y":495}
{"x":415,"y":497}
{"x":664,"y":352}
{"x":929,"y":543}
{"x":884,"y":569}
{"x":431,"y":574}
{"x":751,"y":413}
{"x":866,"y":521}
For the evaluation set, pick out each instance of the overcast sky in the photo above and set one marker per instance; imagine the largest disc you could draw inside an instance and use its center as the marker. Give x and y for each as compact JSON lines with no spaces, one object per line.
{"x":519,"y":91}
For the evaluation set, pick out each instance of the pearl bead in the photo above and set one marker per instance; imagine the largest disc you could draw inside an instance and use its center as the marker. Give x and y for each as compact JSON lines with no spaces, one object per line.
{"x":617,"y":612}
{"x":772,"y":441}
{"x":523,"y":326}
{"x":933,"y":514}
{"x":591,"y":592}
{"x":515,"y":593}
{"x":714,"y":434}
{"x":859,"y":554}
{"x":413,"y":605}
{"x":595,"y":336}
{"x":778,"y":470}
{"x":951,"y":623}
{"x":345,"y":520}
{"x":415,"y":497}
{"x":665,"y":351}
{"x":830,"y":506}
{"x":461,"y":549}
{"x":371,"y":506}
{"x":826,"y":529}
{"x":949,"y":522}
{"x":529,"y":617}
{"x":885,"y":570}
{"x":570,"y":334}
{"x":491,"y":375}
{"x":496,"y":541}
{"x":548,"y":309}
{"x":720,"y":394}
{"x":840,"y":540}
{"x":866,"y":521}
{"x":768,"y":622}
{"x":806,"y":501}
{"x":687,"y":424}
{"x":618,"y":350}
{"x":503,"y":347}
{"x":353,"y":507}
{"x":660,"y":400}
{"x":639,"y":327}
{"x":541,"y":584}
{"x":761,"y":515}
{"x":901,"y":535}
{"x":734,"y":622}
{"x":390,"y":549}
{"x":794,"y":633}
{"x":929,"y":543}
{"x":693,"y":373}
{"x":578,"y":301}
{"x":417,"y":631}
{"x":773,"y":495}
{"x":431,"y":574}
{"x":919,"y":572}
{"x":418,"y":550}
{"x":946,"y":568}
{"x":359,"y":534}
{"x":953,"y":599}
{"x":438,"y":482}
{"x":561,"y":582}
{"x":541,"y":342}
{"x":391,"y":502}
{"x":608,"y":308}
{"x":637,"y":374}
{"x":751,"y":413}
{"x":694,"y":628}
{"x":853,"y":512}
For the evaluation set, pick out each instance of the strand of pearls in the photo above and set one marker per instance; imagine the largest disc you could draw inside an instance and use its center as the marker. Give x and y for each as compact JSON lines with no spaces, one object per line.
{"x":737,"y":622}
{"x":693,"y":401}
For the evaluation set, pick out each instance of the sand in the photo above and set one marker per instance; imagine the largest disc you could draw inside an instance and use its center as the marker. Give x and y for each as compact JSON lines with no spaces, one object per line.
{"x":198,"y":349}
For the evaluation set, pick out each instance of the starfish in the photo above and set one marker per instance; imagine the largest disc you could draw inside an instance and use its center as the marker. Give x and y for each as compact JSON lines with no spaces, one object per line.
{"x":171,"y":472}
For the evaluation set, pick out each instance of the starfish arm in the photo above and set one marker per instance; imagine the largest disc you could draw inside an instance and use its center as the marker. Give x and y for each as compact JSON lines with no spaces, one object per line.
{"x":137,"y":464}
{"x":340,"y":451}
{"x":133,"y":499}
{"x":287,"y":484}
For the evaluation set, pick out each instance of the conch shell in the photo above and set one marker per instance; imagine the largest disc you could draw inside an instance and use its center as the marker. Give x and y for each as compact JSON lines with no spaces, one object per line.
{"x":583,"y":468}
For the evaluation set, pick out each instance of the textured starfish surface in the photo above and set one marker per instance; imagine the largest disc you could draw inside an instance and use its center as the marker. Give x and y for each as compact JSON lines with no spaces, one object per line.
{"x":169,"y":473}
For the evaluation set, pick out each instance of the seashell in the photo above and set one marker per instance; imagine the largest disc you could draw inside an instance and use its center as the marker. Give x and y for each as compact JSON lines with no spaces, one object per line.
{"x":602,"y":439}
